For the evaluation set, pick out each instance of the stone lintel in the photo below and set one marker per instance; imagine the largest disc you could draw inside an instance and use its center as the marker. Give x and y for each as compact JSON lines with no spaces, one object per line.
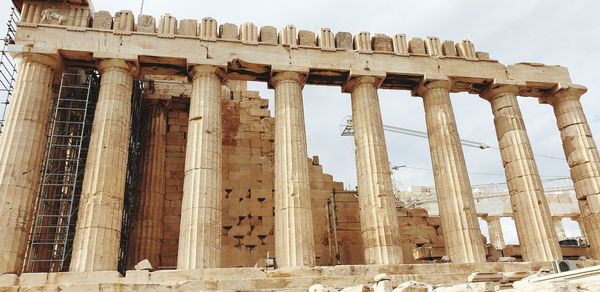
{"x":203,"y":61}
{"x":562,"y":91}
{"x":116,"y":55}
{"x":469,"y":75}
{"x":356,"y":77}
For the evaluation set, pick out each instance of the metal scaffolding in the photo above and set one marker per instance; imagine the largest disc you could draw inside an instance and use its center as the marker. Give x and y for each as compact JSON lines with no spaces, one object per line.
{"x":8,"y":67}
{"x":131,"y":189}
{"x":53,"y":229}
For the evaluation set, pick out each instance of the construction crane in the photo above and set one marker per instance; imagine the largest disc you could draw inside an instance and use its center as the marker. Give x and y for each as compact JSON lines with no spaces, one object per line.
{"x":142,"y":8}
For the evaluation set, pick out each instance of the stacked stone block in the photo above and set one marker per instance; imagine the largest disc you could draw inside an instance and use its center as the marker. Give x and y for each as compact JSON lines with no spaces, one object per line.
{"x":177,"y":121}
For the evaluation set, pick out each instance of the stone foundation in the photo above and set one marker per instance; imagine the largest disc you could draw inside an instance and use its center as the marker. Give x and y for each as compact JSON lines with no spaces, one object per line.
{"x":255,"y":279}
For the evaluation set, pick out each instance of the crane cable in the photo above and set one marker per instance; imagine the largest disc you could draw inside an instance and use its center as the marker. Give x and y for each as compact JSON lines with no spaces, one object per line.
{"x":549,"y":177}
{"x":398,"y":130}
{"x":466,"y":143}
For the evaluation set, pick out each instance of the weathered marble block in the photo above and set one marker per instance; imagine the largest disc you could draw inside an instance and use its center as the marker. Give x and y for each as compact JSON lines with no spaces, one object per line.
{"x":466,"y":49}
{"x":288,"y":36}
{"x":433,"y":46}
{"x":146,"y":23}
{"x":416,"y":46}
{"x":167,"y":27}
{"x":448,"y":49}
{"x":102,"y":20}
{"x":188,"y":27}
{"x":362,"y":42}
{"x":124,"y":22}
{"x":268,"y":34}
{"x":228,"y":31}
{"x":400,"y":45}
{"x":326,"y":40}
{"x":208,"y":29}
{"x":249,"y":33}
{"x":306,"y":38}
{"x":382,"y":43}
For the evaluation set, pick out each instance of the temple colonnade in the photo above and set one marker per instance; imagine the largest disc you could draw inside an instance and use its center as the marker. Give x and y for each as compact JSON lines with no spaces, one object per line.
{"x":96,"y":244}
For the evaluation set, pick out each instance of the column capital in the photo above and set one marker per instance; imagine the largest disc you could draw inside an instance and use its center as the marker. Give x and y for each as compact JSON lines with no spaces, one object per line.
{"x":489,"y":218}
{"x":113,"y":64}
{"x":562,"y":92}
{"x":298,"y":77}
{"x":431,"y":83}
{"x":576,"y":218}
{"x":357,"y":80}
{"x":197,"y":71}
{"x":497,"y":88}
{"x":54,"y":62}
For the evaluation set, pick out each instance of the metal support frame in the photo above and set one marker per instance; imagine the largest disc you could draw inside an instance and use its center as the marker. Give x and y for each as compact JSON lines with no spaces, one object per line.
{"x":131,"y":188}
{"x":51,"y":239}
{"x":8,"y":67}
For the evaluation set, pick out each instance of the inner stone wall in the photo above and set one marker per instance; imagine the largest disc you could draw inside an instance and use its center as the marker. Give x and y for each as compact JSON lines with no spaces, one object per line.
{"x":248,"y":205}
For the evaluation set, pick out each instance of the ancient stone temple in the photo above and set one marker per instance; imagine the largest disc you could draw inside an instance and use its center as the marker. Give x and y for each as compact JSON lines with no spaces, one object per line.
{"x":134,"y":157}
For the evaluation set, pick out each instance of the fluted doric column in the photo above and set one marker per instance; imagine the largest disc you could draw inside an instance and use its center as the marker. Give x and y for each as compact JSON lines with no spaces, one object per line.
{"x":294,"y":240}
{"x":455,"y":198}
{"x":22,"y":146}
{"x":98,"y":230}
{"x":200,"y":230}
{"x":531,"y":212}
{"x":378,"y":218}
{"x":147,"y":229}
{"x":495,"y":231}
{"x":581,"y":226}
{"x":582,"y":156}
{"x":559,"y":228}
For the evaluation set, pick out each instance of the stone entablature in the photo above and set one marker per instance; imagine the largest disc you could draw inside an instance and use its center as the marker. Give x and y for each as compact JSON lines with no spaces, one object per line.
{"x":249,"y":53}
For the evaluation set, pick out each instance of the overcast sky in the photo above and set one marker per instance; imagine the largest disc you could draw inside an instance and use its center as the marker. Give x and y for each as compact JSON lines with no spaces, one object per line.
{"x":552,"y":32}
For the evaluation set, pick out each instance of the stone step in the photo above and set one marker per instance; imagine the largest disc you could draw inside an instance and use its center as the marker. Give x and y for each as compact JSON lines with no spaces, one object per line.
{"x":255,"y":279}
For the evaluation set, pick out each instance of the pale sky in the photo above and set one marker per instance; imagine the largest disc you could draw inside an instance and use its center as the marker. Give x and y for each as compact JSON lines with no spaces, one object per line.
{"x":552,"y":32}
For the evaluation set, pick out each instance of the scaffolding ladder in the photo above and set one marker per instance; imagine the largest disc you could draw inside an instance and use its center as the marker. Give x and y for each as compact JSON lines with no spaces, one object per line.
{"x":8,"y":67}
{"x":51,"y":240}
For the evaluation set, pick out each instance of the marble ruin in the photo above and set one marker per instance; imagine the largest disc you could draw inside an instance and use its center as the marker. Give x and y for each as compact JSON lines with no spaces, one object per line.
{"x":225,"y":195}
